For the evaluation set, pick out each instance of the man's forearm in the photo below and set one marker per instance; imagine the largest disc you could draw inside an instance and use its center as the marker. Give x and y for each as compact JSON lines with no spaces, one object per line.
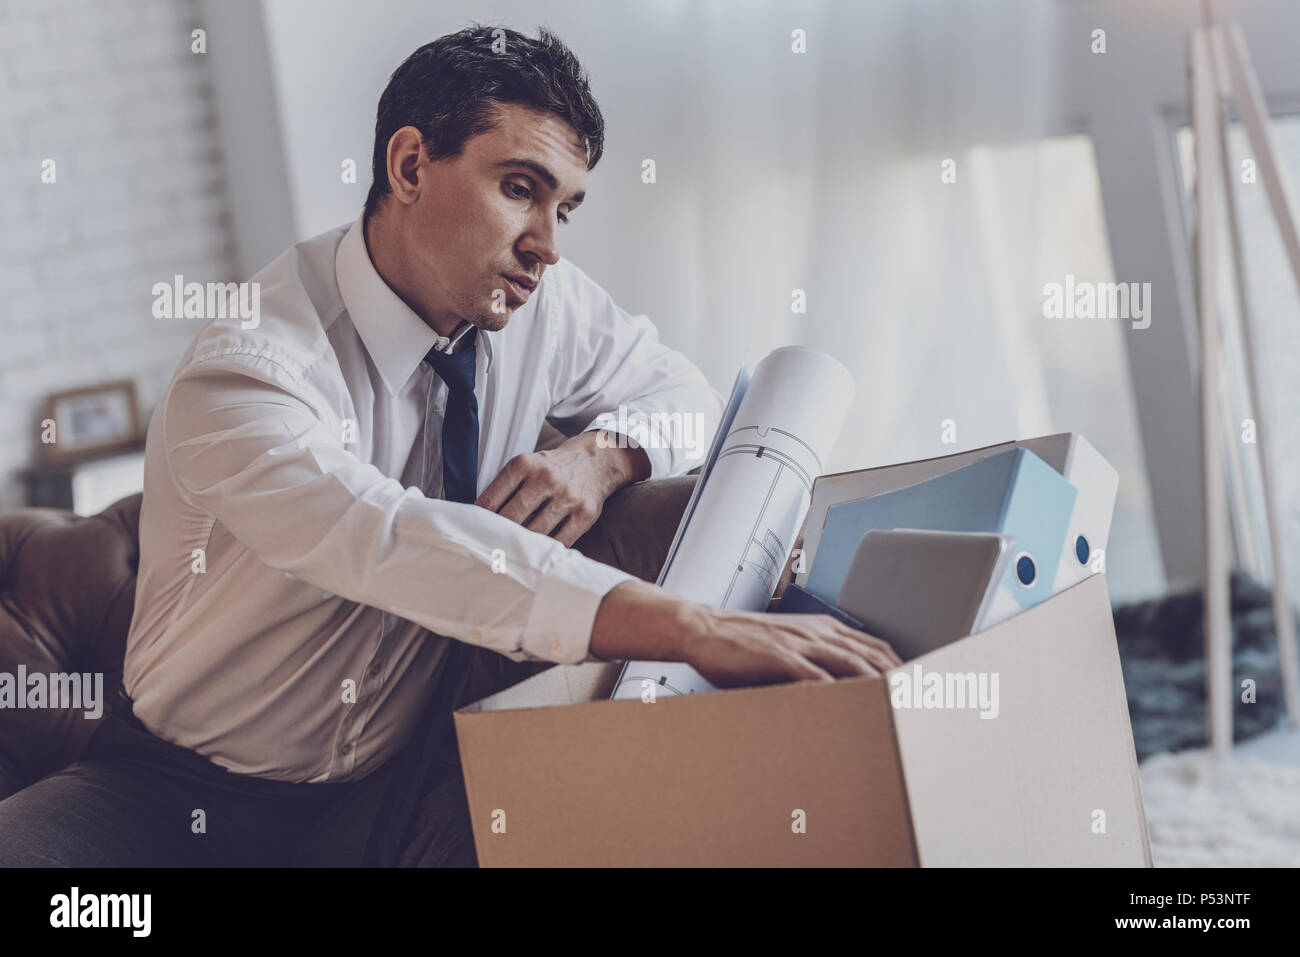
{"x":637,"y":620}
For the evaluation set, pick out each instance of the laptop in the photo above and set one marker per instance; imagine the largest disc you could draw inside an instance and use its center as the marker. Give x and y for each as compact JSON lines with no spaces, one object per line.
{"x":920,"y":589}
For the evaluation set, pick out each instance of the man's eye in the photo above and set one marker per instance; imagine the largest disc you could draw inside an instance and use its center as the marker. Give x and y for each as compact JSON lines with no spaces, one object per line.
{"x":525,"y":194}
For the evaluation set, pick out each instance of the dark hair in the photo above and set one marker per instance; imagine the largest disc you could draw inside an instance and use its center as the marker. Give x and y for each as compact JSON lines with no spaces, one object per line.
{"x":449,"y":90}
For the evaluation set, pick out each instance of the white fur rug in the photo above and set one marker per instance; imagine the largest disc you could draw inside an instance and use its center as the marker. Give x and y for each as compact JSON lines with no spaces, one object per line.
{"x":1245,"y":813}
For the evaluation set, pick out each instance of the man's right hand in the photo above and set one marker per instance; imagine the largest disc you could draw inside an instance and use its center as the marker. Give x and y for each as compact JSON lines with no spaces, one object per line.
{"x":740,"y":648}
{"x":640,"y":621}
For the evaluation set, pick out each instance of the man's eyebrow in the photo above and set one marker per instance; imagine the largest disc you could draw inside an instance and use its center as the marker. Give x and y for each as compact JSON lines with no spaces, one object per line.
{"x":542,"y":172}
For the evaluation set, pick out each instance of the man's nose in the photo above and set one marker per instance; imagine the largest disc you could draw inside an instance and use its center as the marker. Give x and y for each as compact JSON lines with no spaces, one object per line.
{"x":541,"y":240}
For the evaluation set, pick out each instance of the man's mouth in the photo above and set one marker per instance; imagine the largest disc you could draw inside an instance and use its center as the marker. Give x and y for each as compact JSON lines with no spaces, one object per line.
{"x":520,"y":286}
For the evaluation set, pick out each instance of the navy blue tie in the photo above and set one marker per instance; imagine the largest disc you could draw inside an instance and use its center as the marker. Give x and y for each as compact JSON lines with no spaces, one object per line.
{"x":431,"y":751}
{"x":460,"y":424}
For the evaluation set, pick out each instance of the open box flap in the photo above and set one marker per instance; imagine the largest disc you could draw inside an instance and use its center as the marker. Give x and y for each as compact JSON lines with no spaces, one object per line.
{"x":1025,"y":788}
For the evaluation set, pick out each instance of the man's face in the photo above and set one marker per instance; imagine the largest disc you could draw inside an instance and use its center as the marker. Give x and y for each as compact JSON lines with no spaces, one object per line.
{"x":485,"y":215}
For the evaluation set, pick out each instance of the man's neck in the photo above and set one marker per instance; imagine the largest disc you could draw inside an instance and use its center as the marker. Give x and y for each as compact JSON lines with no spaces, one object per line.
{"x":387,"y":257}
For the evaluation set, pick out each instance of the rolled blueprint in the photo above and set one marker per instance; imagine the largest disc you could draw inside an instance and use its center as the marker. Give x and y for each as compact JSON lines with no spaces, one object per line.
{"x":739,"y":528}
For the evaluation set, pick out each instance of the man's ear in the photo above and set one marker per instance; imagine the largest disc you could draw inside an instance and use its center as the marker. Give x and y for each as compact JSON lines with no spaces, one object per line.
{"x":405,"y":156}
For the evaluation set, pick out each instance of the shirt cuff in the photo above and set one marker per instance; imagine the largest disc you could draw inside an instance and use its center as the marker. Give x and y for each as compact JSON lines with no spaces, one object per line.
{"x":660,"y":458}
{"x":564,"y":608}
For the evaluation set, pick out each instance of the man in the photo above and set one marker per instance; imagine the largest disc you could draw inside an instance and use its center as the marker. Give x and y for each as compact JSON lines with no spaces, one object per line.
{"x":326,"y":569}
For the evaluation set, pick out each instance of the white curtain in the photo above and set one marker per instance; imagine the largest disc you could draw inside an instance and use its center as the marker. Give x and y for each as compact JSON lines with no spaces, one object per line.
{"x":822,"y":172}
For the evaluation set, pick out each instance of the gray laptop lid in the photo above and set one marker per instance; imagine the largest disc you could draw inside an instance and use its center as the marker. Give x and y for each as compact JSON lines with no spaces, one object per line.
{"x":921,"y":589}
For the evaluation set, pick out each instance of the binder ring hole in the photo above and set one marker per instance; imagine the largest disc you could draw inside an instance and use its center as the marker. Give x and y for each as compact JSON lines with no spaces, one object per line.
{"x":1082,"y":550}
{"x":1026,"y":570}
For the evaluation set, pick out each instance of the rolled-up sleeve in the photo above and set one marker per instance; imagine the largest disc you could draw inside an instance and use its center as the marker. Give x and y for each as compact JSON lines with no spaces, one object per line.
{"x":250,"y":444}
{"x":610,"y":371}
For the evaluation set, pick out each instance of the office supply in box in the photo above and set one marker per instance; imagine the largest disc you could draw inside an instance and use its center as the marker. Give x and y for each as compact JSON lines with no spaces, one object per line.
{"x":796,"y":601}
{"x":920,"y":589}
{"x":1012,"y":493}
{"x":1097,"y":482}
{"x":1069,"y":453}
{"x":733,"y":541}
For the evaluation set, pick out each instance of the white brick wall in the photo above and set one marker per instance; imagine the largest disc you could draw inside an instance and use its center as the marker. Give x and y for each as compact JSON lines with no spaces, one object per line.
{"x":110,"y":90}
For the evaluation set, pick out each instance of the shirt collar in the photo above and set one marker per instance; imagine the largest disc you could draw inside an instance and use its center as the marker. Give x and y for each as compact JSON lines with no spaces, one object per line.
{"x":453,"y":344}
{"x":396,"y":338}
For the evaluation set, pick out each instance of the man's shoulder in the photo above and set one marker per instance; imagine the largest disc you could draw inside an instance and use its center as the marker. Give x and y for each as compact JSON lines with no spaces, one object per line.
{"x":294,"y":300}
{"x":300,"y":287}
{"x":307,"y":269}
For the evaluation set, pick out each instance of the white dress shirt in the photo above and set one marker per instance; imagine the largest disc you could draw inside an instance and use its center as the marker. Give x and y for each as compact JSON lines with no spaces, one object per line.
{"x":294,"y":581}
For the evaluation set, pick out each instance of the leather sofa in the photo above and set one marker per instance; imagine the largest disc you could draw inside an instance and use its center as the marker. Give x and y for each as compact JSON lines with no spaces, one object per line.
{"x":69,"y":589}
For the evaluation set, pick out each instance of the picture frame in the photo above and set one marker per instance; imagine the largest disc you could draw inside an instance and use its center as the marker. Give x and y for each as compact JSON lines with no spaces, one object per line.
{"x":91,"y":421}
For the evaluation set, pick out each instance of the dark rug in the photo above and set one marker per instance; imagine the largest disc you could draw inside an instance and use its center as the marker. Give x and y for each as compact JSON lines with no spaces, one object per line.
{"x":1162,"y":653}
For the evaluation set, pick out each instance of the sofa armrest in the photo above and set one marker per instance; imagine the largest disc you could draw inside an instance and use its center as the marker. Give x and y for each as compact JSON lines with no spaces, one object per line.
{"x":637,"y":525}
{"x":69,"y":590}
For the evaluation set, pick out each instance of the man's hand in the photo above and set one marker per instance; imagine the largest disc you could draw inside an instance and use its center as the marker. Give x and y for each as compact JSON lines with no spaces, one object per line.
{"x":736,"y":649}
{"x":637,"y":620}
{"x":560,"y":492}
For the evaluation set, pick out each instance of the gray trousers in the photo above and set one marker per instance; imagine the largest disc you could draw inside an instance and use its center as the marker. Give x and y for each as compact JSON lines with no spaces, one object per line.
{"x":135,"y":800}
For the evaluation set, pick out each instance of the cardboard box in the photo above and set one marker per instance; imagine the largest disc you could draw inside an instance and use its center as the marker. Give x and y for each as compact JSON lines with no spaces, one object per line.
{"x":727,"y":778}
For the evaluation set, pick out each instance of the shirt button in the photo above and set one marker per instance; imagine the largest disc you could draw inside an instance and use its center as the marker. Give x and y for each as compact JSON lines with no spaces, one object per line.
{"x":437,"y":406}
{"x":557,"y":647}
{"x":476,"y":634}
{"x":346,"y":749}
